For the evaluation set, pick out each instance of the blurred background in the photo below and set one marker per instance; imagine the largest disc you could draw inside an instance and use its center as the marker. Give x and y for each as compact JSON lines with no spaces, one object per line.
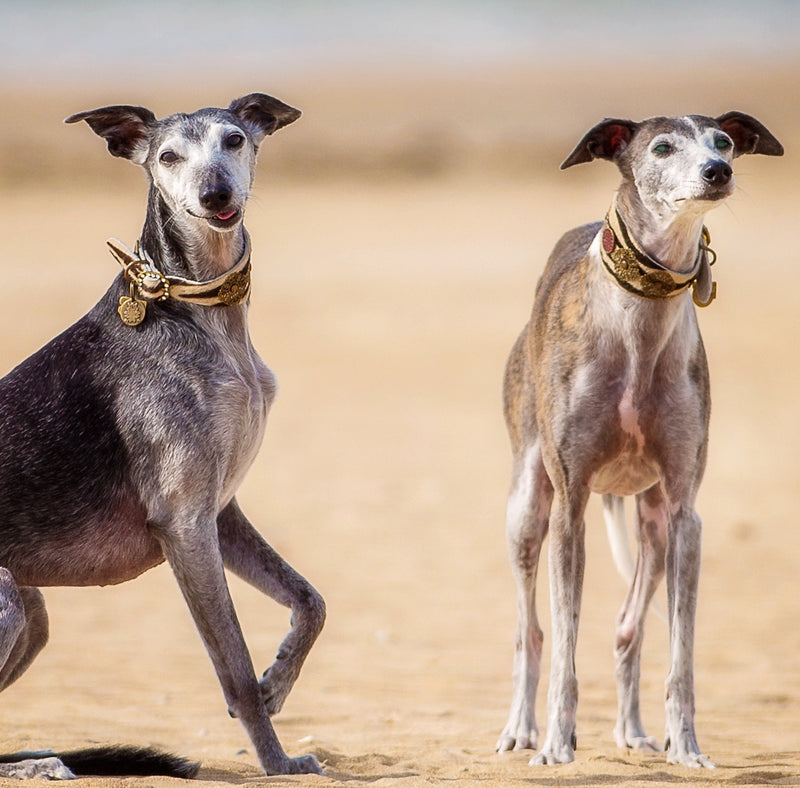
{"x":399,"y":228}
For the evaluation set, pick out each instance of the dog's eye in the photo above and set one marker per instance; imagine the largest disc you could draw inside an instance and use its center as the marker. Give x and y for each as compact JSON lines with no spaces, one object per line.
{"x":662,"y":149}
{"x":722,"y":143}
{"x":234,"y":140}
{"x":168,"y":157}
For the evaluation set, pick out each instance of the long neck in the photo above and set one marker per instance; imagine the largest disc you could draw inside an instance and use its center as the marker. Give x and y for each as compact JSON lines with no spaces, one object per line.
{"x":185,"y":246}
{"x":668,"y":237}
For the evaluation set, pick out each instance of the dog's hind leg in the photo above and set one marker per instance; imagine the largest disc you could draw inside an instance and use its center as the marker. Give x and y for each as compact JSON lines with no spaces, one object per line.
{"x":527,"y":515}
{"x":23,"y":634}
{"x":651,"y":518}
{"x":23,"y":628}
{"x":248,"y":555}
{"x":683,"y":574}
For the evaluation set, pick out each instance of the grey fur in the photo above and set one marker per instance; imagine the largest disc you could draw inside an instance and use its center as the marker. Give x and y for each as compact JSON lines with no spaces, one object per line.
{"x":123,"y":447}
{"x":606,"y":391}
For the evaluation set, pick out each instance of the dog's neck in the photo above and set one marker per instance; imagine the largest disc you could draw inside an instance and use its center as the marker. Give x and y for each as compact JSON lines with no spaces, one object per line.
{"x":671,"y":238}
{"x":184,"y":246}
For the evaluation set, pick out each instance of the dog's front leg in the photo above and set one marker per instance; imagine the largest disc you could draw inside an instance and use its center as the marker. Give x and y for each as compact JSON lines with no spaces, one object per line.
{"x":527,"y":517}
{"x":567,"y":560}
{"x":191,"y":546}
{"x":247,"y":554}
{"x":683,"y":573}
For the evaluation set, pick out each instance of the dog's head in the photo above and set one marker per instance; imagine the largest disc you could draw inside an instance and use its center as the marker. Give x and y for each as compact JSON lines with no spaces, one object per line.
{"x":202,"y":163}
{"x":679,"y":163}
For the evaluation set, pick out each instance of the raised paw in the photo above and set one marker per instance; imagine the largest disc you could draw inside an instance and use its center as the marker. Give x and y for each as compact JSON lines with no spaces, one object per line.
{"x":275,"y":684}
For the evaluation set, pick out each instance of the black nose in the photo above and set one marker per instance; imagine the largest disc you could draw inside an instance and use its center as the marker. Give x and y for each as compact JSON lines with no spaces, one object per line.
{"x":717,"y":173}
{"x":215,"y":197}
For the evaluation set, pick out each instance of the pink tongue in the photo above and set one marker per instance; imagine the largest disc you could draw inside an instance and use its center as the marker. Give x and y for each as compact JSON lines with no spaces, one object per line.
{"x":225,"y":216}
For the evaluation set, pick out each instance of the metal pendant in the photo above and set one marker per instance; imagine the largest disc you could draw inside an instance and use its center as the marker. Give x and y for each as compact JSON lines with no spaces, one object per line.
{"x":131,"y":309}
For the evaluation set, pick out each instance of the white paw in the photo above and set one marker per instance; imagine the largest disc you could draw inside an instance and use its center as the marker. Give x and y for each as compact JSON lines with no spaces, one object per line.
{"x":519,"y":740}
{"x":549,"y":756}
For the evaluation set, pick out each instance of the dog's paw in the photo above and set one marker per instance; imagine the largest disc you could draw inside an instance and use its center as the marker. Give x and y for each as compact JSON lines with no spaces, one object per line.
{"x":685,"y":752}
{"x":636,"y":741}
{"x":305,"y":764}
{"x":275,"y":684}
{"x":510,"y":740}
{"x":39,"y":768}
{"x":694,"y":760}
{"x":553,"y":753}
{"x":645,"y":743}
{"x":547,"y":757}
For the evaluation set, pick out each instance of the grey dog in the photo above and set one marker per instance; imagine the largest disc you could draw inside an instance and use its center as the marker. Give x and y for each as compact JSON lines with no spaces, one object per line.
{"x":607,"y":391}
{"x":125,"y":438}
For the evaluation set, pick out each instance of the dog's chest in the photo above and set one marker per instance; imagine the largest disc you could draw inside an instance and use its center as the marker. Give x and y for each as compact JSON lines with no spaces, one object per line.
{"x":629,"y":466}
{"x":242,"y":396}
{"x":638,"y":376}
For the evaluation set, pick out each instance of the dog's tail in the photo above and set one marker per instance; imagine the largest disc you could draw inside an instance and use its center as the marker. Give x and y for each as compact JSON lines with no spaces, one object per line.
{"x":116,"y":761}
{"x":617,"y":530}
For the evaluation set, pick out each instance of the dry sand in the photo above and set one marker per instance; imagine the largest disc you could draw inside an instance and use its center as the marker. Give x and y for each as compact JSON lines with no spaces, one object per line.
{"x":387,"y":294}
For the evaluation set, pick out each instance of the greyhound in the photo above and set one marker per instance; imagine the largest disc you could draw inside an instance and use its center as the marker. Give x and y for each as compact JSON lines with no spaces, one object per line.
{"x":125,"y":438}
{"x":606,"y":390}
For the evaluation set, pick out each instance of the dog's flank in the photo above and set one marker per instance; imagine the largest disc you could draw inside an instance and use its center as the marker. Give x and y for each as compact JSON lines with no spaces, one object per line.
{"x":606,"y":390}
{"x":124,"y":445}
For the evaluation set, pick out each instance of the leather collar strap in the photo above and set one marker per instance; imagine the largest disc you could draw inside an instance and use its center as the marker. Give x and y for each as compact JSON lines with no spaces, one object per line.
{"x":147,"y":283}
{"x":635,"y":271}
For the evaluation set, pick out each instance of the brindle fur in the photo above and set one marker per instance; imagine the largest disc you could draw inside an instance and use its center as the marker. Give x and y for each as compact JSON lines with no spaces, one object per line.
{"x":608,"y":392}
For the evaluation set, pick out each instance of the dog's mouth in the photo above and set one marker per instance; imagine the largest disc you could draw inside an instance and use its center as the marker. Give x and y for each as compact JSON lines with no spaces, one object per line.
{"x":224,"y":219}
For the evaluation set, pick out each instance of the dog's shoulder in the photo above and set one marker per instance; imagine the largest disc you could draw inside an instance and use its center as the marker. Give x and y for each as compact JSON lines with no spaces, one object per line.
{"x":567,"y":254}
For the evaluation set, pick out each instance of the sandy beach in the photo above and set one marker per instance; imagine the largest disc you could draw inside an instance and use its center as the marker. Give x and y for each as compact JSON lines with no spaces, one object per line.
{"x":398,"y":233}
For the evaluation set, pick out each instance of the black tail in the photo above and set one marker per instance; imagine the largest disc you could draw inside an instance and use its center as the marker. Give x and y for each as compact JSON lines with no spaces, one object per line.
{"x":119,"y":761}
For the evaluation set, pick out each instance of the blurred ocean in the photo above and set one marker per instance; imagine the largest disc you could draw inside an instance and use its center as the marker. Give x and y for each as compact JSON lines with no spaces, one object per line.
{"x":120,"y":40}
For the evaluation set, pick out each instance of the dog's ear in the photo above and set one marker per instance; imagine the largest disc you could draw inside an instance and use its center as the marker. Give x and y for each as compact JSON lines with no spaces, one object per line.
{"x":606,"y":140}
{"x":749,"y":135}
{"x":125,"y":129}
{"x":262,"y":114}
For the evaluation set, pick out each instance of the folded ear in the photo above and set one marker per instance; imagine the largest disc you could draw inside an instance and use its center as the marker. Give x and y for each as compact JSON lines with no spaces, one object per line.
{"x":749,"y":135}
{"x":262,"y":114}
{"x":606,"y":140}
{"x":125,"y":129}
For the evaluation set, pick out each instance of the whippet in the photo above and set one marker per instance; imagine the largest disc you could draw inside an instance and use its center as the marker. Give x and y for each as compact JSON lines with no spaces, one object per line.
{"x":125,"y":438}
{"x":607,"y":391}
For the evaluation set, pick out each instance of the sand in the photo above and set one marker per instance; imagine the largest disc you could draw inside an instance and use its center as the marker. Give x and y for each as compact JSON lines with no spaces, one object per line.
{"x":391,"y":276}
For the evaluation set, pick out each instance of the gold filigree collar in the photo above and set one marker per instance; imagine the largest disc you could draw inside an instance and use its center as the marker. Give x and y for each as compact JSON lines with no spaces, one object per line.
{"x":635,"y":271}
{"x":147,"y":283}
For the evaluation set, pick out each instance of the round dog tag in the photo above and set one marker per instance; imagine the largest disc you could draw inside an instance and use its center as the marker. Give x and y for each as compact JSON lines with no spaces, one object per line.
{"x":131,"y":310}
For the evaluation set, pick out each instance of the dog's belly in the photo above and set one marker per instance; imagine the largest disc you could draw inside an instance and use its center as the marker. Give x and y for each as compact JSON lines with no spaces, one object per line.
{"x":83,"y":554}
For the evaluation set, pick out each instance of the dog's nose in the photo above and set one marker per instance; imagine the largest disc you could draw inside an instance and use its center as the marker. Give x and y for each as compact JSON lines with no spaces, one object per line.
{"x":717,"y":173}
{"x":215,"y":197}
